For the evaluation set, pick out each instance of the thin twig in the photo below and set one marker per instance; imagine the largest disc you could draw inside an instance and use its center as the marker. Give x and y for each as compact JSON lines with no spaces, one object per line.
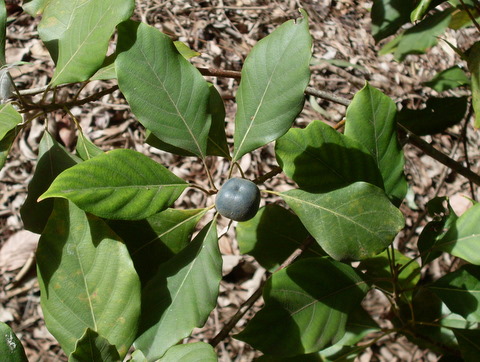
{"x":275,"y":171}
{"x":256,"y":295}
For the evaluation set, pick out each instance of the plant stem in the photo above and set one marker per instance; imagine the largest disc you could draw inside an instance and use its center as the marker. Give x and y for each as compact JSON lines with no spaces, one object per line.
{"x":470,"y":15}
{"x":256,"y":295}
{"x":275,"y":171}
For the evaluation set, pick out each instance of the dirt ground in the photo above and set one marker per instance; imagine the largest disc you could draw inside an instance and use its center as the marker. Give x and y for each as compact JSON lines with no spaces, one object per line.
{"x":224,"y":31}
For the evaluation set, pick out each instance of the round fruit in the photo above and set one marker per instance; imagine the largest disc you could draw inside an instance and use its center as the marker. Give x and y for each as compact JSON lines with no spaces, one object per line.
{"x":238,"y":199}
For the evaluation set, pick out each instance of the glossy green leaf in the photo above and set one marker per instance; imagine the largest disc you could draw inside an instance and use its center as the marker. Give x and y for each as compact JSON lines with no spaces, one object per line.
{"x":120,"y":184}
{"x":371,"y":121}
{"x":85,"y":148}
{"x":460,"y":291}
{"x":420,"y":10}
{"x":272,"y":235}
{"x":420,"y":37}
{"x":463,"y":237}
{"x":11,"y":348}
{"x":474,"y":68}
{"x":320,"y":159}
{"x":87,"y":280}
{"x":167,"y":93}
{"x":354,"y":222}
{"x":77,"y":35}
{"x":158,"y":238}
{"x":190,"y":352}
{"x":438,"y":115}
{"x":388,"y":16}
{"x":450,"y":78}
{"x":93,"y":347}
{"x":301,"y":317}
{"x":52,"y":160}
{"x":469,"y":343}
{"x":181,"y":295}
{"x":9,"y":119}
{"x":217,"y":140}
{"x":378,"y":270}
{"x":274,"y":77}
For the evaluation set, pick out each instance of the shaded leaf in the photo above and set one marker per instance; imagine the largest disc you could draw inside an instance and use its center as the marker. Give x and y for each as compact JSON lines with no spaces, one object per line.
{"x":119,"y":184}
{"x":460,"y":291}
{"x":371,"y":121}
{"x":468,"y":341}
{"x":354,"y":222}
{"x":167,"y":93}
{"x":190,"y":352}
{"x":158,"y":238}
{"x":450,"y":78}
{"x":93,"y":347}
{"x":77,"y":35}
{"x":388,"y":16}
{"x":473,"y":61}
{"x":438,"y":115}
{"x":272,"y":235}
{"x":87,"y":280}
{"x":274,"y":77}
{"x":107,"y":69}
{"x":11,"y":348}
{"x":34,"y":7}
{"x":181,"y":295}
{"x":52,"y":160}
{"x":320,"y":159}
{"x":6,"y":144}
{"x":419,"y":38}
{"x":463,"y":237}
{"x":379,"y":272}
{"x":299,"y":316}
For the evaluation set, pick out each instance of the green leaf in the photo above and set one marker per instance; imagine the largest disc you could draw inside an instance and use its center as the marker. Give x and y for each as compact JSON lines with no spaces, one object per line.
{"x":438,"y":115}
{"x":3,"y":32}
{"x":184,"y":49}
{"x":388,"y":16}
{"x":272,"y":235}
{"x":320,"y":159}
{"x":420,"y":10}
{"x":93,"y":347}
{"x":274,"y":77}
{"x":158,"y":238}
{"x":107,"y":69}
{"x":460,"y":291}
{"x":421,"y":37}
{"x":9,"y":119}
{"x":371,"y":121}
{"x":379,"y":272}
{"x":443,"y":218}
{"x":474,"y":68}
{"x":181,"y":295}
{"x":52,"y":160}
{"x":217,"y":140}
{"x":138,"y":356}
{"x":300,"y":317}
{"x":463,"y":237}
{"x":167,"y":93}
{"x":447,"y":79}
{"x":120,"y":184}
{"x":87,"y":280}
{"x":10,"y":346}
{"x":353,"y":223}
{"x":468,"y":341}
{"x":6,"y":144}
{"x":34,"y":7}
{"x":77,"y":35}
{"x":190,"y":352}
{"x":85,"y":148}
